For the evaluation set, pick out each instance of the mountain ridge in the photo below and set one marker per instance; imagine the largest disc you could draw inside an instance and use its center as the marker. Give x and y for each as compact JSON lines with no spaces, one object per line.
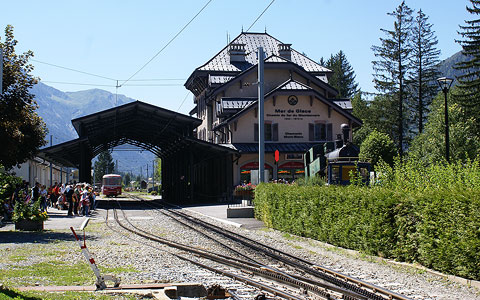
{"x":58,"y":108}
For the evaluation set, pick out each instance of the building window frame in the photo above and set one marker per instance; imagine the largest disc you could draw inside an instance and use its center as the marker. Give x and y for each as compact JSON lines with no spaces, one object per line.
{"x":320,"y":131}
{"x":270,"y":131}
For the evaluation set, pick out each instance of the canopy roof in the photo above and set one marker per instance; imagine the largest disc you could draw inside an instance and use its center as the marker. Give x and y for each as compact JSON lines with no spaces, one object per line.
{"x":152,"y":128}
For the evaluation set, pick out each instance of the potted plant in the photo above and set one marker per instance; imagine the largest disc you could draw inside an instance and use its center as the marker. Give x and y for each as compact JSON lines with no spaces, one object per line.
{"x":27,"y":216}
{"x":245,"y":190}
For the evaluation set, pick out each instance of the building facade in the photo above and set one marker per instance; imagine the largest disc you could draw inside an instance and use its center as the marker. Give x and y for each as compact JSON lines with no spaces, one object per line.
{"x":38,"y":170}
{"x":300,"y":110}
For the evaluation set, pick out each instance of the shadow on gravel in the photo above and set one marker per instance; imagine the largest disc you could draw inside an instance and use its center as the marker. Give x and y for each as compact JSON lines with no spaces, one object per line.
{"x":44,"y":237}
{"x":15,"y":295}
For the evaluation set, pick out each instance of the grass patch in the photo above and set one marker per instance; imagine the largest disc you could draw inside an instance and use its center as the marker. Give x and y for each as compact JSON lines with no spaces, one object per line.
{"x":118,"y":270}
{"x":48,"y":273}
{"x":12,"y":294}
{"x":16,"y":258}
{"x":95,"y":227}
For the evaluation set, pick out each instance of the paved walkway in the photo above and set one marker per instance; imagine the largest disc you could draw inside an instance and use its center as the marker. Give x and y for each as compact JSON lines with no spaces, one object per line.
{"x":219,"y":212}
{"x":57,"y":220}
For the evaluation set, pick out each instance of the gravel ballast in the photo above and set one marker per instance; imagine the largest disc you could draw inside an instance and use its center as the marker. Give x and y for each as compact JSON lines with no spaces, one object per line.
{"x":146,"y":262}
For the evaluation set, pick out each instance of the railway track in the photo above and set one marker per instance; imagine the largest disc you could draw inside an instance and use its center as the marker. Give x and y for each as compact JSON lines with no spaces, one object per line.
{"x":246,"y":269}
{"x":343,"y":281}
{"x":320,"y":283}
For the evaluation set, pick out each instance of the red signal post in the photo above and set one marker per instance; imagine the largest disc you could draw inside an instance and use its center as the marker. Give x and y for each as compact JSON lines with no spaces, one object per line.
{"x":277,"y":155}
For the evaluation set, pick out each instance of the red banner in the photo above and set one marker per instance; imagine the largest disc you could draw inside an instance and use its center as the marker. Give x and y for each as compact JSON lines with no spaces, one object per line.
{"x":292,"y":165}
{"x":254,"y":165}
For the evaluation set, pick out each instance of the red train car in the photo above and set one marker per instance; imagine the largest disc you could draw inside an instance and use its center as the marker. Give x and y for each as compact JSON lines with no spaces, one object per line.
{"x":112,"y":185}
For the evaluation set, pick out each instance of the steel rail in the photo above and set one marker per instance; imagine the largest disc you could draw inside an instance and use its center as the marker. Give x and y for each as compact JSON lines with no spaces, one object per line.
{"x":258,"y":270}
{"x":296,"y":277}
{"x":215,"y":257}
{"x":337,"y":278}
{"x":235,"y":297}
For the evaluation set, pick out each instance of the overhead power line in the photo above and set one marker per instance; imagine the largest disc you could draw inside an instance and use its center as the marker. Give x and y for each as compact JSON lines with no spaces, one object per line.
{"x":73,"y":70}
{"x":78,"y":83}
{"x":169,"y":42}
{"x":111,"y":85}
{"x":260,"y":16}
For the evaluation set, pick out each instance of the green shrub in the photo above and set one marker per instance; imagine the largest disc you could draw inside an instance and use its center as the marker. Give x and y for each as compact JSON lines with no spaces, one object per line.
{"x":413,"y":213}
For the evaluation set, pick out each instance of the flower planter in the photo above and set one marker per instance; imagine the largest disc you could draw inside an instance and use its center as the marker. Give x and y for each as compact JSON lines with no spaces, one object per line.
{"x":29,"y":225}
{"x":244,"y":194}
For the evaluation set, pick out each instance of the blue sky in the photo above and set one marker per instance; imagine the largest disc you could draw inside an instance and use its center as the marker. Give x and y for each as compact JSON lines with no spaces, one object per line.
{"x":115,"y":38}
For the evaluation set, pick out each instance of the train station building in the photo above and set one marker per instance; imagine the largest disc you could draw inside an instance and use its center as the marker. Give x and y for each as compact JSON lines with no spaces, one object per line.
{"x":205,"y":155}
{"x":301,"y":108}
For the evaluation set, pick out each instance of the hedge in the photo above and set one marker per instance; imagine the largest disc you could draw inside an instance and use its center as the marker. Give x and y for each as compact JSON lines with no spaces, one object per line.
{"x":432,"y":218}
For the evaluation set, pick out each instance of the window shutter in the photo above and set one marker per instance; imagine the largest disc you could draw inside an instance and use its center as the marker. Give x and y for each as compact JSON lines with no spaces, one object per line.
{"x":329,"y":132}
{"x":275,"y":131}
{"x":255,"y":132}
{"x":310,"y":131}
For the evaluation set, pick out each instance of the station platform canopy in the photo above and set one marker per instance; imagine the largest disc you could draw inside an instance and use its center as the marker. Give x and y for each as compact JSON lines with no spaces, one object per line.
{"x":167,"y":134}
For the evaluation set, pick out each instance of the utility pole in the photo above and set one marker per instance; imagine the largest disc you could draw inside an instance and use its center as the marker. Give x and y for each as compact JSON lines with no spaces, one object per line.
{"x":153,"y":175}
{"x":261,"y":129}
{"x":51,"y":166}
{"x":147,"y":177}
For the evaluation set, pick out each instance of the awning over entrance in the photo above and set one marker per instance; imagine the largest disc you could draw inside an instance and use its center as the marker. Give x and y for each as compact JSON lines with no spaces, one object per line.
{"x":165,"y":133}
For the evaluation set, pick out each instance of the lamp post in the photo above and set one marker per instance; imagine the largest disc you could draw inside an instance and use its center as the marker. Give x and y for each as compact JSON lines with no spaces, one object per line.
{"x":445,"y":83}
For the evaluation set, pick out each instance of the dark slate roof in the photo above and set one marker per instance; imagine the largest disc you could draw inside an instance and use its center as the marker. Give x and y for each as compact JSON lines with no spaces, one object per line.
{"x":221,"y":62}
{"x":219,"y":79}
{"x":229,"y":106}
{"x":271,"y":147}
{"x":344,"y":103}
{"x":236,"y":103}
{"x":290,"y":83}
{"x":275,"y":59}
{"x":323,"y":78}
{"x":294,"y":85}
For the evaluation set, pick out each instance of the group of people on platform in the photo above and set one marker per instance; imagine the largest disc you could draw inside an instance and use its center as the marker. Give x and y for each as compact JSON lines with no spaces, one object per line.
{"x":77,"y":198}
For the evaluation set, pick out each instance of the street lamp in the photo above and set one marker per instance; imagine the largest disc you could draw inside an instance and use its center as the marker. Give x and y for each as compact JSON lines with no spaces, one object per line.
{"x":445,"y":83}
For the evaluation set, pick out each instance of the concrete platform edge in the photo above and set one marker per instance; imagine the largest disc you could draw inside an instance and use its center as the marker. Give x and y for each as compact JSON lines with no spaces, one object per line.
{"x":214,"y":218}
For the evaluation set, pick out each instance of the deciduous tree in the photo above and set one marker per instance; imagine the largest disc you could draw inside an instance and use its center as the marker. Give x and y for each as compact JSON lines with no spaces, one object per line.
{"x":378,"y":146}
{"x":22,"y":131}
{"x":429,"y":146}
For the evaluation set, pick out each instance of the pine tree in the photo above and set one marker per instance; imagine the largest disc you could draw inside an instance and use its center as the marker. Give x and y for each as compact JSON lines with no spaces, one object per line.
{"x":103,"y":165}
{"x":391,"y":68}
{"x":469,"y":83}
{"x":424,"y":63}
{"x":343,"y":77}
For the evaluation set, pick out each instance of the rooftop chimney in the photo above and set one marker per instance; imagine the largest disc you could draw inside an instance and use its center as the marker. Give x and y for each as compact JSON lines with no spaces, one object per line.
{"x":237,"y":52}
{"x":345,"y":132}
{"x":285,"y":51}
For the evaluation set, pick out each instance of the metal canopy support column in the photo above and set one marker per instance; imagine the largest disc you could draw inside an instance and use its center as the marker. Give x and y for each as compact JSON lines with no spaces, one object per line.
{"x":85,"y":167}
{"x":190,"y":174}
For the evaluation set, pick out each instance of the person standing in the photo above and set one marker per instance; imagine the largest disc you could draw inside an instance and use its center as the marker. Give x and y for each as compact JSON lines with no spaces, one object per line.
{"x":76,"y":199}
{"x":43,"y":198}
{"x":35,"y":192}
{"x":69,"y":192}
{"x":85,"y":203}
